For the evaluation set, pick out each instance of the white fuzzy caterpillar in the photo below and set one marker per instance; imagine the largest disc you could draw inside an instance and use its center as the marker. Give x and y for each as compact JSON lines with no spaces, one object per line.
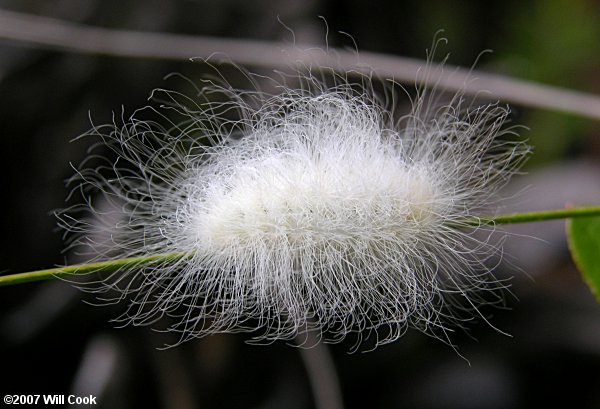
{"x":310,"y":209}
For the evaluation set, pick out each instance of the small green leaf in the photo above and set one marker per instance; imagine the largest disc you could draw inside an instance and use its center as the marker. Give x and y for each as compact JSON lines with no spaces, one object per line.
{"x":583,"y":234}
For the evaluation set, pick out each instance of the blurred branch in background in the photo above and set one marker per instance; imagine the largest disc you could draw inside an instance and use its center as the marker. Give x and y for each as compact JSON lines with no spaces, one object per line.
{"x":321,"y":371}
{"x":67,"y":36}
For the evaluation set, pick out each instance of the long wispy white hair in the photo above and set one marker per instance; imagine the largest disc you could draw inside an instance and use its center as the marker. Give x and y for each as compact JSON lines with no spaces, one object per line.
{"x":313,"y":207}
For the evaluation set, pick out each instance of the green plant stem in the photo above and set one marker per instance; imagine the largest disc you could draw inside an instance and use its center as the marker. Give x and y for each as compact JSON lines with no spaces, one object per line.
{"x":128,"y":263}
{"x":109,"y":266}
{"x":537,"y":216}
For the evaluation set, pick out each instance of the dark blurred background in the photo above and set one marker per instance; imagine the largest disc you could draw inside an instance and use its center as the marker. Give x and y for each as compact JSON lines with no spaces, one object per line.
{"x":54,"y":343}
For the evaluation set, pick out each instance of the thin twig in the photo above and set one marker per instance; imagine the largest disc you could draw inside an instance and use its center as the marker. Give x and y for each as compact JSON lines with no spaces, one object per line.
{"x":68,"y":36}
{"x":87,"y":268}
{"x":156,"y":259}
{"x":536,"y":216}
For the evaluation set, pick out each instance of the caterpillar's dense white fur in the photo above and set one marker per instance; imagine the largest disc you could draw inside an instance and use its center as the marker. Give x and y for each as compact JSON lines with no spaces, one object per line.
{"x":313,"y":208}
